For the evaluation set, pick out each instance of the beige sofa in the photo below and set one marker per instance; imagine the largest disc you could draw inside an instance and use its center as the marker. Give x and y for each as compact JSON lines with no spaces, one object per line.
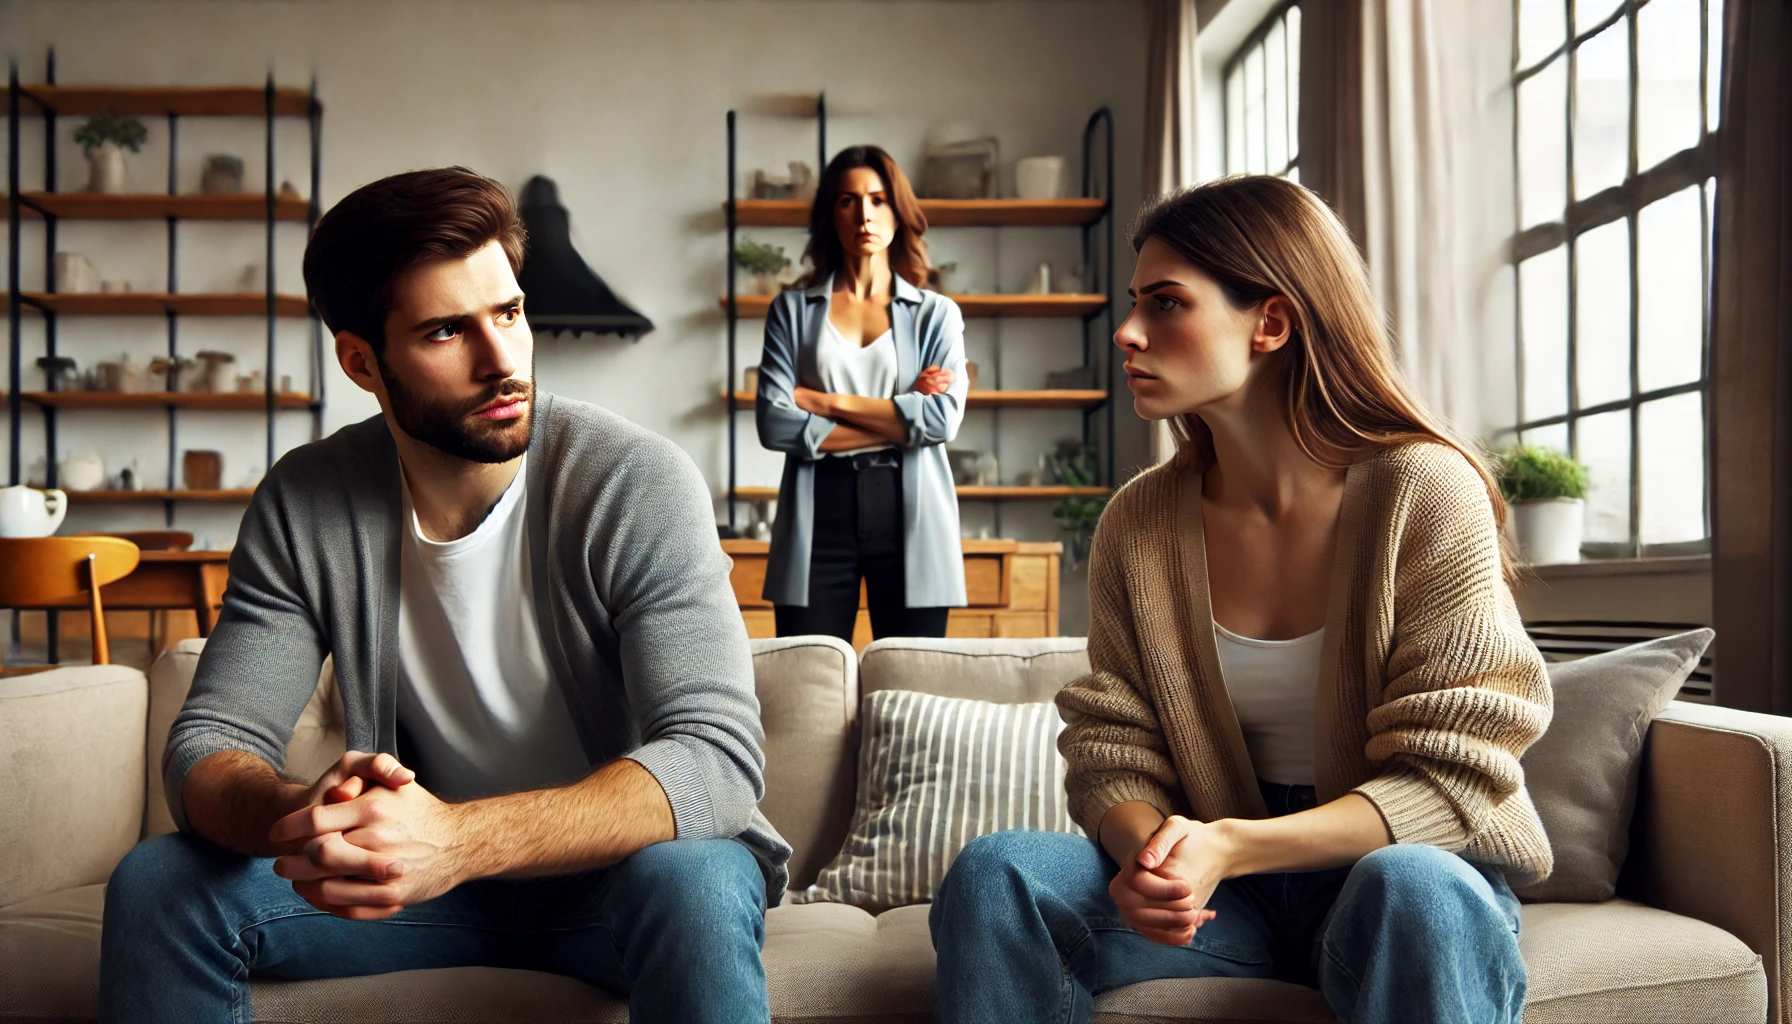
{"x":1703,"y":936}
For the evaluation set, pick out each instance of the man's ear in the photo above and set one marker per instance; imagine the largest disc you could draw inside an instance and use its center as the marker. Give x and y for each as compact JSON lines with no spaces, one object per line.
{"x":356,"y":357}
{"x":1275,"y":325}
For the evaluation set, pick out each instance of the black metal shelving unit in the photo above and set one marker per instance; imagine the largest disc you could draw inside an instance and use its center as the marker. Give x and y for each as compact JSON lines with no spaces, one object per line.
{"x":51,"y":102}
{"x":1094,"y":214}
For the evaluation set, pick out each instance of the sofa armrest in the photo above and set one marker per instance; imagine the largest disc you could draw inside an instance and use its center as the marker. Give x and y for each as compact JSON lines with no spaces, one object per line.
{"x":1713,"y":833}
{"x":71,"y":776}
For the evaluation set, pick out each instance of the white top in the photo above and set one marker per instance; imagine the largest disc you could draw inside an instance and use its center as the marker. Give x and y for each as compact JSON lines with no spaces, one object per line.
{"x":475,"y":699}
{"x":1274,"y":685}
{"x":865,"y":370}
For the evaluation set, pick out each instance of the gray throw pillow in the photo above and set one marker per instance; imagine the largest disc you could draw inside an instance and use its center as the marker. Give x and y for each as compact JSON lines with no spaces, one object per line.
{"x":1582,"y":774}
{"x":934,"y":774}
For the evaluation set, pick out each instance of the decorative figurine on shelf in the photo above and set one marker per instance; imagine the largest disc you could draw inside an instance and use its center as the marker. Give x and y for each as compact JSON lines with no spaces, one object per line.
{"x":75,"y":274}
{"x":218,"y":373}
{"x":765,"y":262}
{"x":60,"y":373}
{"x":83,"y":471}
{"x":223,"y":175}
{"x":288,"y":190}
{"x":103,"y":139}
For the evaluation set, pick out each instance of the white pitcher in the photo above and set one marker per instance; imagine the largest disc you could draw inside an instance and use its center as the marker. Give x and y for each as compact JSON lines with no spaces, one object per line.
{"x":29,"y":512}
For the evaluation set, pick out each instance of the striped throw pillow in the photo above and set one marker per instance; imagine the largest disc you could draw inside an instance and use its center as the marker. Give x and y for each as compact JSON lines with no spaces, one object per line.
{"x":935,"y":773}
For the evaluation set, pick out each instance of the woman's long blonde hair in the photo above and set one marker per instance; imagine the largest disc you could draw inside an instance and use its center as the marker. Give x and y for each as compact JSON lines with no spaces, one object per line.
{"x":1343,"y":394}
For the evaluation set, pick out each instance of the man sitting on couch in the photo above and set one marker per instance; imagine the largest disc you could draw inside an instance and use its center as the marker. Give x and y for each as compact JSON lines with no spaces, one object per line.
{"x":517,"y":589}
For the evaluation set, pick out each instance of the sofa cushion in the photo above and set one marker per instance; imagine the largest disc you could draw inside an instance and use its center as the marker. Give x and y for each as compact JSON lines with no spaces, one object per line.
{"x":827,"y":962}
{"x":1624,"y":962}
{"x":71,"y":744}
{"x":1003,"y":671}
{"x":935,"y":773}
{"x":808,"y":702}
{"x":1582,"y":773}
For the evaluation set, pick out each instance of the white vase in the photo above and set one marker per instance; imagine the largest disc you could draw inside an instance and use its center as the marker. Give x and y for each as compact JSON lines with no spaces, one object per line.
{"x":106,"y":170}
{"x":1548,"y":532}
{"x":1039,"y":177}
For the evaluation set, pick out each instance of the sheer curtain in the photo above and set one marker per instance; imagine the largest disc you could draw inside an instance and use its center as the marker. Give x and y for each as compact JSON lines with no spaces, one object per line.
{"x":1172,"y":83}
{"x":1751,"y":363}
{"x":1406,"y":129}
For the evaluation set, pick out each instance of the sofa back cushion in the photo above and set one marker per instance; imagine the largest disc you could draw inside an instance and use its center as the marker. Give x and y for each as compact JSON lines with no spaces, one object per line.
{"x":999,"y":671}
{"x":809,"y":704}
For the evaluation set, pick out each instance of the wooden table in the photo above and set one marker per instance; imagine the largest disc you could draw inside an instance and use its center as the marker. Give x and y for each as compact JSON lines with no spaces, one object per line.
{"x":1011,"y":589}
{"x":165,"y":580}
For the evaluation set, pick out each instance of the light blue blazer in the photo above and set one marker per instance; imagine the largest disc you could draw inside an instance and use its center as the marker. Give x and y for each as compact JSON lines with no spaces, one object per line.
{"x":929,"y":331}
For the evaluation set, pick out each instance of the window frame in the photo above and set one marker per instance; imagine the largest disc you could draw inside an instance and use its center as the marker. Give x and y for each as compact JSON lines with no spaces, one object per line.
{"x":1695,"y":166}
{"x":1277,"y":15}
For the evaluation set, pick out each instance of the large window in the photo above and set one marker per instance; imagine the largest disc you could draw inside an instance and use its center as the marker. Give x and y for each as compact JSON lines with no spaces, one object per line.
{"x":1616,"y":114}
{"x":1263,"y":99}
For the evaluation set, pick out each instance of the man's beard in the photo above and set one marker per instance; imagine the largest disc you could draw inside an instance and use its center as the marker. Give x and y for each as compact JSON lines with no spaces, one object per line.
{"x":450,"y":427}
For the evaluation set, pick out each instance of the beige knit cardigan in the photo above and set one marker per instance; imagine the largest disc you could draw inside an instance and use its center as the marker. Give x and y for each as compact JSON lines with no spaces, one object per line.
{"x":1429,"y":690}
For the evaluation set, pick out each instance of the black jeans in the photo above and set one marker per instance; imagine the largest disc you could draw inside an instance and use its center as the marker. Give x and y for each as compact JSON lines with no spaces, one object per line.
{"x":858,"y":534}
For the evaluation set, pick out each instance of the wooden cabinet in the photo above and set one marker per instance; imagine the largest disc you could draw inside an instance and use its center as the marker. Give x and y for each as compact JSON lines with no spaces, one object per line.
{"x":1011,"y":589}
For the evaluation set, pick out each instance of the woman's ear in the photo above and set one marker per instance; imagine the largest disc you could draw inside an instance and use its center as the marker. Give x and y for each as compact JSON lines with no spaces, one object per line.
{"x":1275,"y":324}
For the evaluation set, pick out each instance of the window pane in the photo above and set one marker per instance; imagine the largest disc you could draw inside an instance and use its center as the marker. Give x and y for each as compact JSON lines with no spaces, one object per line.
{"x":1293,"y":23}
{"x":1602,"y":314}
{"x":1554,"y":437}
{"x":1541,"y":27}
{"x":1543,"y":145}
{"x":1235,"y":120}
{"x":1714,"y":41}
{"x":1543,"y":316}
{"x":1667,"y":63}
{"x":1253,"y":110}
{"x":1671,"y":441}
{"x":1604,"y":443}
{"x":1275,"y":97}
{"x":1602,"y":111}
{"x":1670,"y":295}
{"x":1588,"y":13}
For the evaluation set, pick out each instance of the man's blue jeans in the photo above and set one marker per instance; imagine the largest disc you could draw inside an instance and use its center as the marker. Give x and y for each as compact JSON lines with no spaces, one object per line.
{"x":1025,"y":930}
{"x":677,"y":928}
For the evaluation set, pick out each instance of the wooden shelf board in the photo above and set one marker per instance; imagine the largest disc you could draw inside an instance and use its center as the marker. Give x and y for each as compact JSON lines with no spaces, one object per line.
{"x":126,"y":497}
{"x":157,"y":303}
{"x":246,"y":402}
{"x":754,"y":306}
{"x":999,"y":399}
{"x":248,"y":206}
{"x":155,"y":101}
{"x":964,"y":493}
{"x":941,"y":213}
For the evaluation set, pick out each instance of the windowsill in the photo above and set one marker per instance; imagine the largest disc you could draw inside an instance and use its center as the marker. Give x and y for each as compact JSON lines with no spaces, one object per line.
{"x":1596,"y":567}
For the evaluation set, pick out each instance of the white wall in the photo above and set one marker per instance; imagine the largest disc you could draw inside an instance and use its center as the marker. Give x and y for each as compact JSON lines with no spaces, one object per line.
{"x":623,"y":104}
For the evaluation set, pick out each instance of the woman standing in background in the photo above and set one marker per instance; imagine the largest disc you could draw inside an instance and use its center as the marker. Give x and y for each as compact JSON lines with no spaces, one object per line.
{"x":861,"y":386}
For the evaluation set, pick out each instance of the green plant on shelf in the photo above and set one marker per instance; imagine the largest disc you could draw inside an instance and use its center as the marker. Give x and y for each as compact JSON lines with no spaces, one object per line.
{"x":1535,"y":473}
{"x":760,"y":257}
{"x":122,"y":130}
{"x":1074,"y":464}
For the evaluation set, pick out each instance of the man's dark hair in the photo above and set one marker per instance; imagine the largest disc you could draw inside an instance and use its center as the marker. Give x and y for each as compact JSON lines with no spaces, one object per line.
{"x":382,"y":229}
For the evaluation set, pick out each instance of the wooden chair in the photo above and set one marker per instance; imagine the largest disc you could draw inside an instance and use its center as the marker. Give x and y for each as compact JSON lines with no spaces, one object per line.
{"x":36,"y":570}
{"x":148,"y":540}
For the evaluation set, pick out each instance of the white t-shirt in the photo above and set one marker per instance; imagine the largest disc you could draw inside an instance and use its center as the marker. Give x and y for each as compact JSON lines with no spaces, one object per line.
{"x":1274,"y":685}
{"x":865,"y":370}
{"x":475,"y":699}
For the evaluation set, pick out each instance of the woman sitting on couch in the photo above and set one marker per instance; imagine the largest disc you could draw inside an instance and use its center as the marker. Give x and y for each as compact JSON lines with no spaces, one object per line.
{"x":1298,"y":749}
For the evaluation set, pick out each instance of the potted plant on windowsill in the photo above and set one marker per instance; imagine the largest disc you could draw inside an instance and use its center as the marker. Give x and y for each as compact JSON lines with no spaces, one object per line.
{"x":1547,"y":491}
{"x":765,"y":262}
{"x":103,"y":139}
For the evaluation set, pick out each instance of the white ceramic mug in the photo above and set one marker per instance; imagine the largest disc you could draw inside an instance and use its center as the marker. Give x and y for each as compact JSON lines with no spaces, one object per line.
{"x":1039,"y":177}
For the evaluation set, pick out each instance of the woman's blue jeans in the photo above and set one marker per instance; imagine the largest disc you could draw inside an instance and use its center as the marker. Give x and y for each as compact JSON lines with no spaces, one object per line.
{"x":677,"y":928}
{"x":1025,"y":930}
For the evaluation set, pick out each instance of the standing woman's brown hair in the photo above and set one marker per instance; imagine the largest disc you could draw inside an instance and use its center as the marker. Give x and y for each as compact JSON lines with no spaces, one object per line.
{"x":1344,"y":395}
{"x":908,"y":253}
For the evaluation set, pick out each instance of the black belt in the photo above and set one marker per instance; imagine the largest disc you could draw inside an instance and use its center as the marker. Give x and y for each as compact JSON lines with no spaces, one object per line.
{"x":884,"y":458}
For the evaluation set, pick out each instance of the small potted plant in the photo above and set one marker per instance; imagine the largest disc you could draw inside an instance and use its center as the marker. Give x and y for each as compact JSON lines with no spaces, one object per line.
{"x":1074,"y":464}
{"x":1547,"y":491}
{"x":765,"y":262}
{"x":103,"y":139}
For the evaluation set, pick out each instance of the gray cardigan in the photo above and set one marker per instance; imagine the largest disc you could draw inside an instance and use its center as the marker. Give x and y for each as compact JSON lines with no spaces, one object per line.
{"x":639,"y":622}
{"x":929,"y":331}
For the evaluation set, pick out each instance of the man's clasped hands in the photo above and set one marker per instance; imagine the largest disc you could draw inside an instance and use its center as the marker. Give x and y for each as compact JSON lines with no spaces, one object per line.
{"x":370,"y":841}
